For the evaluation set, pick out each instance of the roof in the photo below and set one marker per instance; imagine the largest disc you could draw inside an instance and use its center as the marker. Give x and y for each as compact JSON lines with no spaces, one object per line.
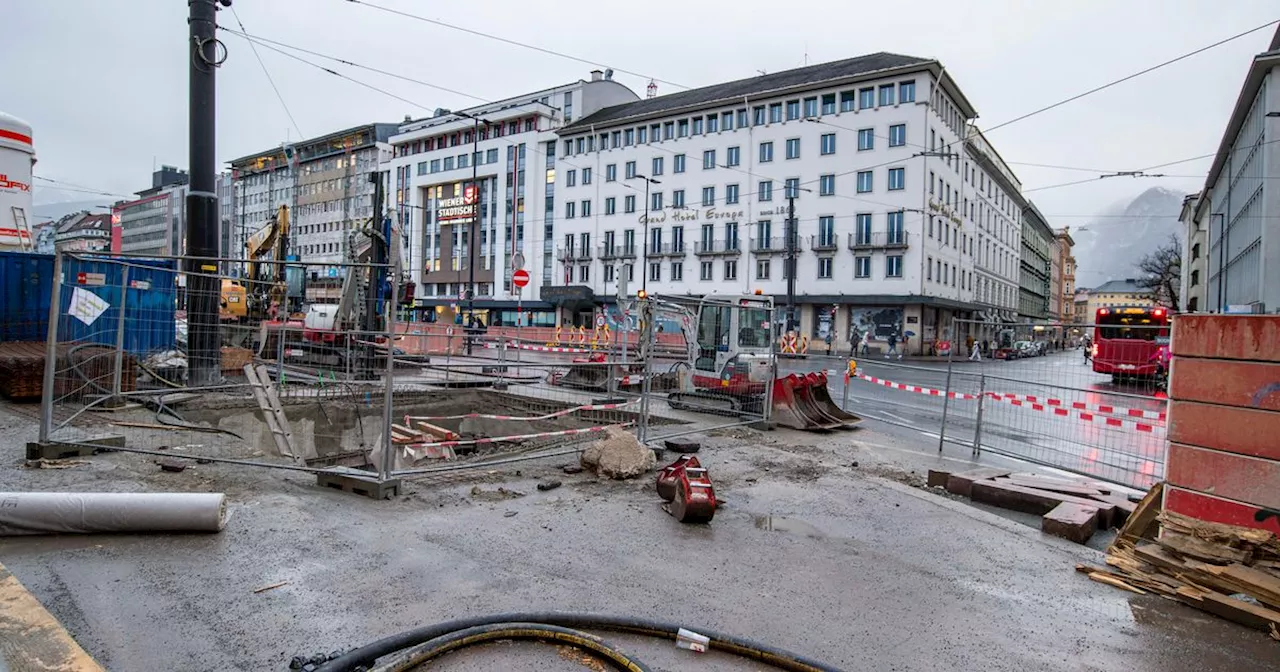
{"x":757,"y":87}
{"x":382,"y":132}
{"x":1126,"y":286}
{"x":1258,"y":70}
{"x":85,"y":222}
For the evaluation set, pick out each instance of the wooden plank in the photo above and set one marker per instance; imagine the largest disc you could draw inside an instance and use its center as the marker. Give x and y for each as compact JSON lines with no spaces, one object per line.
{"x":962,"y":483}
{"x":938,"y":479}
{"x":31,"y":638}
{"x":1074,"y":522}
{"x":1111,"y":580}
{"x":1239,"y":611}
{"x":1141,"y":523}
{"x":1032,"y":500}
{"x":1206,"y":551}
{"x":1052,"y":485}
{"x":1261,"y":585}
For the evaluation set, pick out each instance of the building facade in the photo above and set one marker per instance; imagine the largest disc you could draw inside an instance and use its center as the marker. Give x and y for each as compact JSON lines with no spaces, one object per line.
{"x":1193,"y":290}
{"x":83,"y":232}
{"x":475,"y":190}
{"x":1116,"y":293}
{"x":1239,"y":207}
{"x":1063,"y":277}
{"x":905,"y":217}
{"x":324,"y":180}
{"x":1036,"y":263}
{"x":155,"y":222}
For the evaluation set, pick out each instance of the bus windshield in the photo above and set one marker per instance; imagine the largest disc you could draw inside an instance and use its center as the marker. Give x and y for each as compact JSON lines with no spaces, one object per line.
{"x":1131,"y":324}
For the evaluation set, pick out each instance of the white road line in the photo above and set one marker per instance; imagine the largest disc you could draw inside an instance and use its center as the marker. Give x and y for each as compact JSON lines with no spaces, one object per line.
{"x":897,"y":417}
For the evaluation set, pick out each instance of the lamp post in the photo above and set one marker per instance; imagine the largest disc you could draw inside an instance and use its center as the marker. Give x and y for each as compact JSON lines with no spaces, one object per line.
{"x":644,"y":272}
{"x":792,"y":235}
{"x":475,"y":222}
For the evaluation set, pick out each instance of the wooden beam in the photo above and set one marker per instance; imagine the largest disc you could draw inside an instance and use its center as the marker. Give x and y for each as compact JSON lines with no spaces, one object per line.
{"x":31,"y":638}
{"x":1031,"y":500}
{"x":1071,"y":521}
{"x":962,"y":483}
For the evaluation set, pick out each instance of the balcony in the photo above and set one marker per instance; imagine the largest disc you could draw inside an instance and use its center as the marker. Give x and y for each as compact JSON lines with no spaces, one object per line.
{"x":609,"y":252}
{"x":669,"y":250}
{"x":572,"y":254}
{"x":879,"y":240}
{"x":770,"y":246}
{"x":823,"y":243}
{"x":707,"y":248}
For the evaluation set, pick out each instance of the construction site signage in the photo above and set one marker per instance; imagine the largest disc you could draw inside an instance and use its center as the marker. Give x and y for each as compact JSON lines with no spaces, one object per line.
{"x":459,"y":209}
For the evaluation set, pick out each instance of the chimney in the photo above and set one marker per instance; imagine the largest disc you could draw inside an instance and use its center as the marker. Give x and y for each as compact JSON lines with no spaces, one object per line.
{"x":597,"y":75}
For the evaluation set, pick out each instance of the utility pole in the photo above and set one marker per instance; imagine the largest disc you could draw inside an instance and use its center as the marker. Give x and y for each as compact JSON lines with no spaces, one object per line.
{"x":378,"y":257}
{"x":791,"y":261}
{"x":475,"y":222}
{"x":206,"y":53}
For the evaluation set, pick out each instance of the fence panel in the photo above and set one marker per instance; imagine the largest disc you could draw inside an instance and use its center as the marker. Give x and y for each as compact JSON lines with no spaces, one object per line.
{"x":1042,"y":397}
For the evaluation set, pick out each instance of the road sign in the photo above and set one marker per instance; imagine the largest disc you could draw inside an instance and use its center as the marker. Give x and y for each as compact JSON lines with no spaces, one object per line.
{"x":600,"y":320}
{"x":517,"y":261}
{"x":520,"y":278}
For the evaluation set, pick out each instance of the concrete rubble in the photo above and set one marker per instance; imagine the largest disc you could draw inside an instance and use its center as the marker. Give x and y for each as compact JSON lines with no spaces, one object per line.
{"x":618,"y":455}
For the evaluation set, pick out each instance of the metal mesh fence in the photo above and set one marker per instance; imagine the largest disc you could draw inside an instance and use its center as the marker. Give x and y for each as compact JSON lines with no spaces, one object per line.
{"x":1083,"y":398}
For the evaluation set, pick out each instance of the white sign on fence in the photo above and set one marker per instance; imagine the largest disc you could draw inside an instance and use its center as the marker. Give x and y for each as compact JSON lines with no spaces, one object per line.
{"x":87,"y":306}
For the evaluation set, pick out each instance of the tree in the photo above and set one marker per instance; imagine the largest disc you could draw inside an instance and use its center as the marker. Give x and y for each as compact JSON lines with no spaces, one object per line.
{"x":1160,"y":272}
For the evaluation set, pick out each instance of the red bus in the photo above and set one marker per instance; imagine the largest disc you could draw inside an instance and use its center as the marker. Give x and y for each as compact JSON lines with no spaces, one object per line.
{"x":1131,"y":340}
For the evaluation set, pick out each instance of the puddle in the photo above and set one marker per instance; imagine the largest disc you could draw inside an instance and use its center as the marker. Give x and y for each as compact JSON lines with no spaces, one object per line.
{"x":783,"y":524}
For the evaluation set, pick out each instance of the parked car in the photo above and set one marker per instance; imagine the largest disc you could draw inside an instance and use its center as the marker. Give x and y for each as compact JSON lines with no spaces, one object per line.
{"x":1042,"y":347}
{"x":1024,"y":349}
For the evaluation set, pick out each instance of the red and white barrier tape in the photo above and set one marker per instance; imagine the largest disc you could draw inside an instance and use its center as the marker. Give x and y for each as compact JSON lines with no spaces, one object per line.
{"x":1079,"y":415}
{"x":1106,"y":409}
{"x":513,"y":437}
{"x":915,"y":388}
{"x":557,"y":414}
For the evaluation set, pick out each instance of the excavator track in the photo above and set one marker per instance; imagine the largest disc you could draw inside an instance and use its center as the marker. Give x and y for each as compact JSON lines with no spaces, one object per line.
{"x":706,"y":402}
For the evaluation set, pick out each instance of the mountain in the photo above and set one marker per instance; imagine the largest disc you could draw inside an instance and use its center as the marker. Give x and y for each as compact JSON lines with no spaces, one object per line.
{"x":44,"y":212}
{"x":1110,"y":246}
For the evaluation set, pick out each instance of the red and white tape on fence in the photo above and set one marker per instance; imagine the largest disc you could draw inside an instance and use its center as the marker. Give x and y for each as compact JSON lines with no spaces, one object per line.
{"x":1079,"y":415}
{"x":423,"y":448}
{"x":1105,"y":409}
{"x":915,"y":388}
{"x":586,"y":407}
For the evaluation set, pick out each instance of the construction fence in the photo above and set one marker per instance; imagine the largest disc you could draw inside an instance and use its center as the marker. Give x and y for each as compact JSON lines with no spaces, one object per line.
{"x":321,"y":370}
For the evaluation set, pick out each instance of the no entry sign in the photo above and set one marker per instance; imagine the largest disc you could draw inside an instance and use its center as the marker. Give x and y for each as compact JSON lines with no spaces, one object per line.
{"x":520,"y":278}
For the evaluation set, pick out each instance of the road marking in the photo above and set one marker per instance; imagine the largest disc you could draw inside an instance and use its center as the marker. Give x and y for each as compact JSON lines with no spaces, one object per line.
{"x":897,"y":417}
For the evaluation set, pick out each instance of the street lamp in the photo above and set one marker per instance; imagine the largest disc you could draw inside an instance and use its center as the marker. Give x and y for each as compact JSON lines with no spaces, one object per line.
{"x":471,"y":230}
{"x":644,"y":273}
{"x":792,"y":235}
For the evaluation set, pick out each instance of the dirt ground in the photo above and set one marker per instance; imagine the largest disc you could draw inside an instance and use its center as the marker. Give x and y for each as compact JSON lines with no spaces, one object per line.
{"x":825,"y":546}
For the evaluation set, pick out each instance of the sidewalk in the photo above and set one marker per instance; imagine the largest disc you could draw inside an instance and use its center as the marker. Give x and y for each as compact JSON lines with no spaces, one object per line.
{"x":809,"y":554}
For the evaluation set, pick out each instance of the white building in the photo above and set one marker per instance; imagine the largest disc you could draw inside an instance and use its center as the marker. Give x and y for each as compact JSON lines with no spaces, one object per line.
{"x":508,"y":150}
{"x":325,"y":182}
{"x":898,"y":230}
{"x":1233,"y":234}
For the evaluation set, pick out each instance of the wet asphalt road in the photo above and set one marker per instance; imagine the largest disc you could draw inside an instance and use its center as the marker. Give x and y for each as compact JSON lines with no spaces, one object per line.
{"x":810,"y":554}
{"x":1108,"y":443}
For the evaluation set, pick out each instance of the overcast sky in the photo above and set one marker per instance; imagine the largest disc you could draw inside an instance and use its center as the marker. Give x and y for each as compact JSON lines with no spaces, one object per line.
{"x":104,"y":83}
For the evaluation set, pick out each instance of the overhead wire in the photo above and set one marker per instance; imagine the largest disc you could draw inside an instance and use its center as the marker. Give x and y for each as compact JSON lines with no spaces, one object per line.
{"x":544,"y":50}
{"x":272,"y":81}
{"x":1132,"y":76}
{"x":70,"y":186}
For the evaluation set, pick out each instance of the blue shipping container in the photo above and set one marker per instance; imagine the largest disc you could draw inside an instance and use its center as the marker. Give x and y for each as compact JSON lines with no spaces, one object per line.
{"x":150,"y":300}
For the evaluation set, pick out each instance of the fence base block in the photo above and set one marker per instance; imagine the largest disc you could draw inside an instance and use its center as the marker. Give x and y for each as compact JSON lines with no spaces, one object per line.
{"x":55,"y":450}
{"x":359,"y":484}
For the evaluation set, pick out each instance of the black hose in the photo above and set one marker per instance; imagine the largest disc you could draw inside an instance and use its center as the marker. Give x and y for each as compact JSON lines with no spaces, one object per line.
{"x":366,"y":655}
{"x":483,"y":634}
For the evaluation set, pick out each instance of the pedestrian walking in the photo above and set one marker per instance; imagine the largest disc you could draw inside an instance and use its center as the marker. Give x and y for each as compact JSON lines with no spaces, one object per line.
{"x":893,"y":347}
{"x":975,"y":352}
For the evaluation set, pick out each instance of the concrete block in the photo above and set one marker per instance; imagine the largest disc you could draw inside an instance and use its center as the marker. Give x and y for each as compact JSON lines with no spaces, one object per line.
{"x":359,"y":483}
{"x":1246,"y":479}
{"x":962,"y":483}
{"x":938,"y":479}
{"x":1220,"y":510}
{"x":1031,"y":500}
{"x":1250,"y":337}
{"x":1244,"y":431}
{"x":1226,"y":382}
{"x":56,"y":450}
{"x":1071,"y":521}
{"x":682,"y":445}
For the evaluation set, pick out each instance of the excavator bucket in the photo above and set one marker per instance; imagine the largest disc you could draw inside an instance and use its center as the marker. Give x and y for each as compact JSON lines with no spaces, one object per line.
{"x":586,"y":377}
{"x":803,"y":402}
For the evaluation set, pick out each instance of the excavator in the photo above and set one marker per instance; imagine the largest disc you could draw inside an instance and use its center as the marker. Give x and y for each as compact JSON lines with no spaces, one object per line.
{"x":731,"y":366}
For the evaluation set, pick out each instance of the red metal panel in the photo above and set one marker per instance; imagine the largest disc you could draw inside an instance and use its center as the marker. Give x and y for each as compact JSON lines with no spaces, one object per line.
{"x":1219,"y":510}
{"x":1246,"y":479}
{"x":1253,"y":337}
{"x":1231,"y":383}
{"x":1235,"y":430}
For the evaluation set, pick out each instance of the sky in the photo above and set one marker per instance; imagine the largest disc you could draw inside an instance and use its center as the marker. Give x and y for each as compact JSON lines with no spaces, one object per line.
{"x":105,"y":83}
